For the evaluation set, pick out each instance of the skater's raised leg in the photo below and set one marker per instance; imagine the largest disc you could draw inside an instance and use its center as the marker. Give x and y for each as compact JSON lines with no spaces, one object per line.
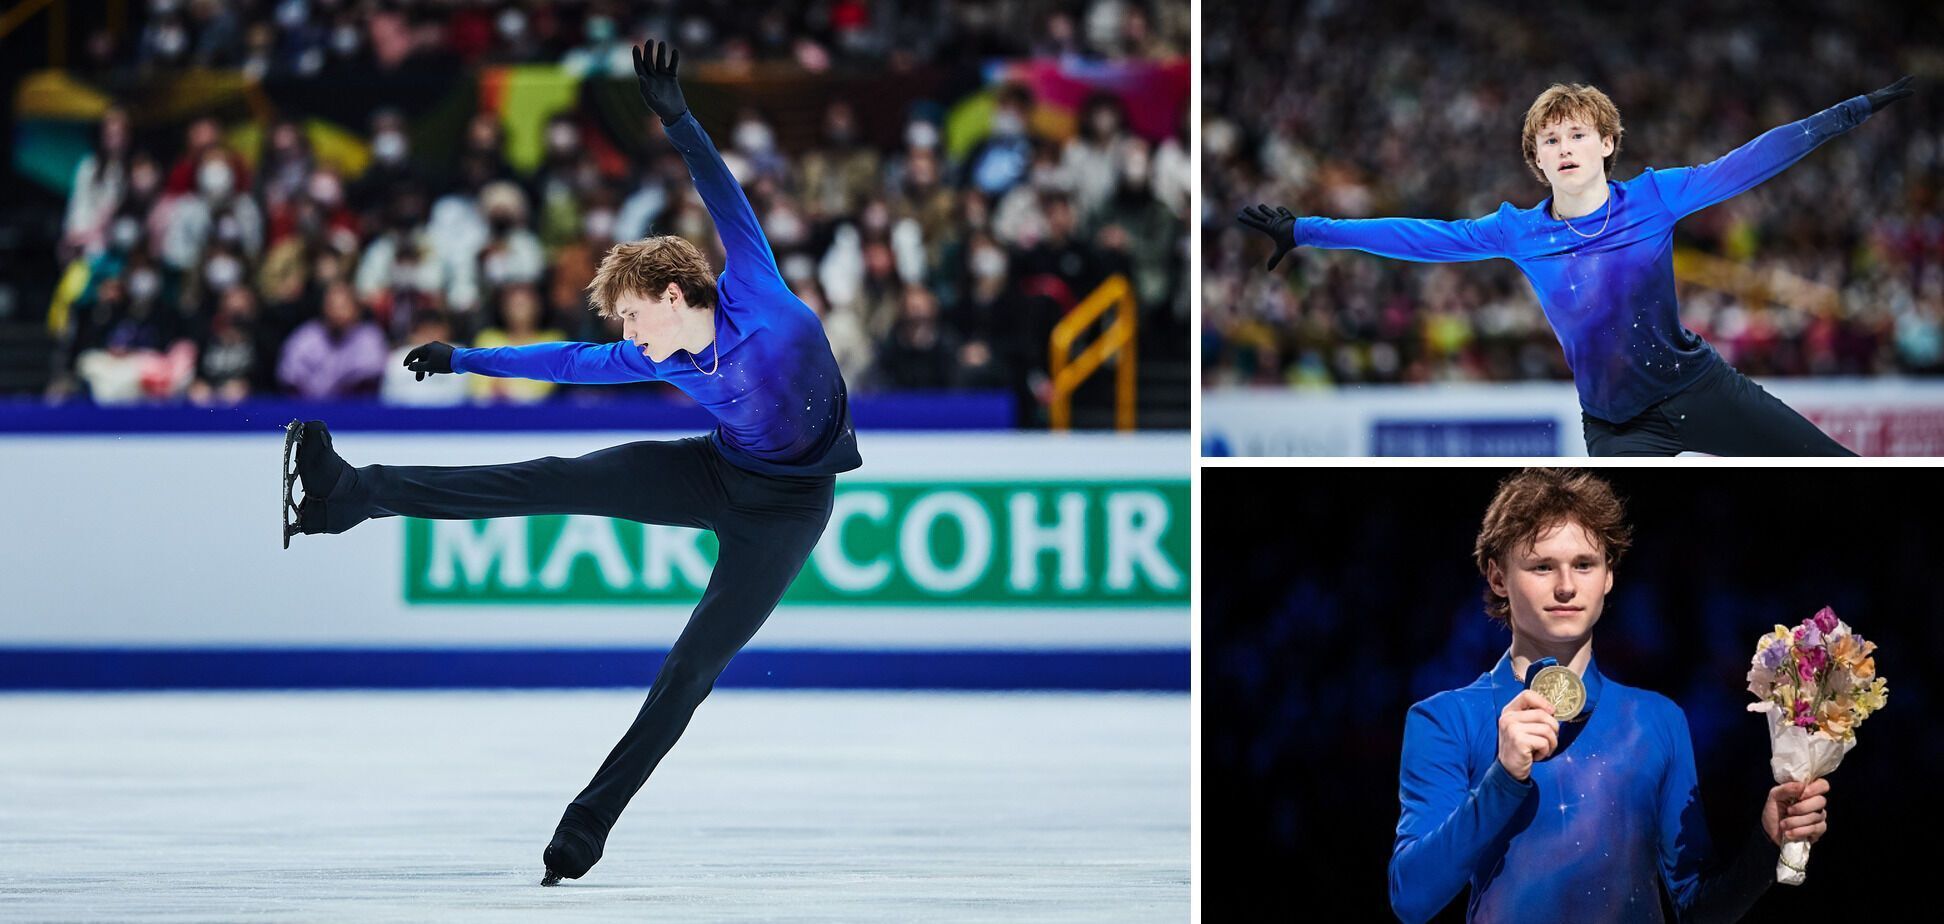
{"x":671,"y":483}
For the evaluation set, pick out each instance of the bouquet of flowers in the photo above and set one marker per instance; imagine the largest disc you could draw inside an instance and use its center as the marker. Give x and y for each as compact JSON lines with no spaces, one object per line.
{"x":1816,"y":682}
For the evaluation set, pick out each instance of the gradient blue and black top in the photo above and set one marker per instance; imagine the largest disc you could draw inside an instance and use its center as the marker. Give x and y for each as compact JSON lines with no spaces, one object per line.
{"x":1595,"y":833}
{"x":1610,"y":295}
{"x":777,"y":396}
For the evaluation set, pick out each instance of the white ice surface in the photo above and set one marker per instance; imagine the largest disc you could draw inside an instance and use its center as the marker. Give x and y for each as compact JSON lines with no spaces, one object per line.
{"x":775,"y":806}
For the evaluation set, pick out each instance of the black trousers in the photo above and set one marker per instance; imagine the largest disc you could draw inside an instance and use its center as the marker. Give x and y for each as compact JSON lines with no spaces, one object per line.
{"x":1724,"y":414}
{"x":766,"y":524}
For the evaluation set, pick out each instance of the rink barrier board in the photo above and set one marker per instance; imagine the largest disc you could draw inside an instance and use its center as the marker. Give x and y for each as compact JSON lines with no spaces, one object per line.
{"x":107,"y":669}
{"x":1874,"y":417}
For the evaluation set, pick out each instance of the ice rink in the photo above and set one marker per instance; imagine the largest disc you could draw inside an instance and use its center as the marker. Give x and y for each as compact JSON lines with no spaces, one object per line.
{"x":776,"y":806}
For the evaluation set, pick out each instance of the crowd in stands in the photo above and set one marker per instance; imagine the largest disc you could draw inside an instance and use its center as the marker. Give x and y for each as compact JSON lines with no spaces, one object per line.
{"x":214,"y":274}
{"x":1384,"y":108}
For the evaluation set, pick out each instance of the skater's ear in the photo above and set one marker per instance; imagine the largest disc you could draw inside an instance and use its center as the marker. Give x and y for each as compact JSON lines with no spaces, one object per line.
{"x":673,"y":293}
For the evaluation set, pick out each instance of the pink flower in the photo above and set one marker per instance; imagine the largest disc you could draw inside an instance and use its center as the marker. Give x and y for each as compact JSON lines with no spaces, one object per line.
{"x":1825,"y":620}
{"x":1803,"y":717}
{"x":1813,"y":660}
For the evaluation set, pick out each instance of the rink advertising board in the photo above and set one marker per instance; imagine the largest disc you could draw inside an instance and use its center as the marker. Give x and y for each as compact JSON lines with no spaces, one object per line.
{"x":960,"y":560}
{"x":1874,"y":417}
{"x":1048,"y":543}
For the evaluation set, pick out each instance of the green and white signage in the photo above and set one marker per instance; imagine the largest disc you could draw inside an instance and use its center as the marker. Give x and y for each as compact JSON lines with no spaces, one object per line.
{"x":1036,"y":543}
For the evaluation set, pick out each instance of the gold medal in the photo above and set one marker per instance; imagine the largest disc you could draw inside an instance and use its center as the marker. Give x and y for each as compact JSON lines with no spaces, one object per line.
{"x":1563,"y":688}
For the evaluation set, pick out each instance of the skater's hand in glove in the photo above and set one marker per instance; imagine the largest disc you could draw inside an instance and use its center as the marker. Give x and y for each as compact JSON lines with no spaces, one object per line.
{"x":1279,"y":223}
{"x":1796,"y":812}
{"x":655,"y":64}
{"x":1527,"y":732}
{"x":1890,"y":94}
{"x":429,"y":358}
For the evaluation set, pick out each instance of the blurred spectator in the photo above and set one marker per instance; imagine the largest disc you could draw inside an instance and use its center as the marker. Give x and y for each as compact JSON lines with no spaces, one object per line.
{"x":304,"y":261}
{"x":519,"y":325}
{"x":230,"y":354}
{"x":920,"y":351}
{"x":402,"y":386}
{"x":216,"y":213}
{"x":337,"y":355}
{"x":99,"y":182}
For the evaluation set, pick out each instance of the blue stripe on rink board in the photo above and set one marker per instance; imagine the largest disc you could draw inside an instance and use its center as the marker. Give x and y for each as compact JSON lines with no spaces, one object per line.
{"x":452,"y":668}
{"x":982,"y":410}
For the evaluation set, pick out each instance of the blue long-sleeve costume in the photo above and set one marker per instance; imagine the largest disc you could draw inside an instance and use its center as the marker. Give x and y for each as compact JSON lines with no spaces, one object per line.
{"x":1593,"y":835}
{"x":1610,"y":298}
{"x":777,"y":396}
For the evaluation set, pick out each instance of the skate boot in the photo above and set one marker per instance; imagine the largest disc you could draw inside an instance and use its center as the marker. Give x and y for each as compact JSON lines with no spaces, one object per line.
{"x":309,"y":459}
{"x":576,"y":846}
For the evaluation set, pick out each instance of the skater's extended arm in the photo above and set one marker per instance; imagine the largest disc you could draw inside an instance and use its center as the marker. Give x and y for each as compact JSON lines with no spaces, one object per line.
{"x":748,"y":250}
{"x":565,"y":362}
{"x":1446,"y":823}
{"x":1687,"y":190}
{"x":1418,"y":239}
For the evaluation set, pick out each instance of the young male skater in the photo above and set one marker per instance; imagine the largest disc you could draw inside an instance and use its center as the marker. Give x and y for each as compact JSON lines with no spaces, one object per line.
{"x":1557,"y":793}
{"x":1600,"y":257}
{"x":744,"y":347}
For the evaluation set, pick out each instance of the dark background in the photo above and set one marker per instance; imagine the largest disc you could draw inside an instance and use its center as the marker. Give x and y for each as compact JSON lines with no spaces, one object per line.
{"x":1334,"y":599}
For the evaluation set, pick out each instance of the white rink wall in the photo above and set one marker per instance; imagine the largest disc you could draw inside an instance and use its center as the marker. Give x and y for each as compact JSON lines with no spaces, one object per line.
{"x":143,"y":545}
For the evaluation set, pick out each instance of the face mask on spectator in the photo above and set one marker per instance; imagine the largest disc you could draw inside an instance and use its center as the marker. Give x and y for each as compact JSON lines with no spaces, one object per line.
{"x":170,"y":40}
{"x":144,"y":284}
{"x":599,"y":225}
{"x":228,"y":231}
{"x":344,"y":40}
{"x":325,"y":189}
{"x":389,"y":147}
{"x":222,"y":271}
{"x":126,"y":232}
{"x":292,"y":13}
{"x":404,"y":275}
{"x":753,"y":137}
{"x":600,"y":29}
{"x":512,"y":24}
{"x":214,"y":179}
{"x":1008,"y":124}
{"x":921,"y":134}
{"x":785,"y":228}
{"x":988,"y":263}
{"x":562,"y":138}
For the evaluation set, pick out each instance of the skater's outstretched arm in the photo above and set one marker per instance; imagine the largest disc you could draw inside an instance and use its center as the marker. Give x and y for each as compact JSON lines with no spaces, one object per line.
{"x":749,"y":258}
{"x":1417,"y":239}
{"x":566,"y":362}
{"x":1687,"y":190}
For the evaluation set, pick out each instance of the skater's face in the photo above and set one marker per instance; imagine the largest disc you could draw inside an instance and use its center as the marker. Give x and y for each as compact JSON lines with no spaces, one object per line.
{"x":1556,"y":587}
{"x":1572,"y":154}
{"x":654,"y":323}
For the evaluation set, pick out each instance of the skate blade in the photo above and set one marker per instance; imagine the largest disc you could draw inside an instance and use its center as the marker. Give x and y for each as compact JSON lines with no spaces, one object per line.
{"x":550,"y":879}
{"x":293,"y":436}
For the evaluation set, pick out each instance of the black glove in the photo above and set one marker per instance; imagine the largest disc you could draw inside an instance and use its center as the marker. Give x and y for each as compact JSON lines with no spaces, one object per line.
{"x":1889,"y":94}
{"x":429,"y":358}
{"x":655,"y":65}
{"x":1279,"y":223}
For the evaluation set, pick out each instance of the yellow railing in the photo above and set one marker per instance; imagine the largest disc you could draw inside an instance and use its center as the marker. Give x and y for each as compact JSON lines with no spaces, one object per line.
{"x":1753,"y":287}
{"x":1116,"y":341}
